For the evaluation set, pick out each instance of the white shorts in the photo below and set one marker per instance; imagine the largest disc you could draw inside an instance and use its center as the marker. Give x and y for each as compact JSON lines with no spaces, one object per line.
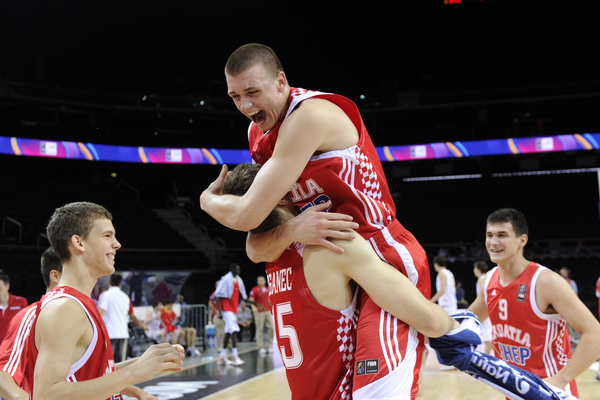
{"x":486,"y":330}
{"x":230,"y":320}
{"x":156,"y":334}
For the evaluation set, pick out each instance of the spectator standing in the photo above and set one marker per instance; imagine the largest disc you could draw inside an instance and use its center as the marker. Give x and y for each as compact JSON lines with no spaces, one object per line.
{"x":10,"y":304}
{"x":262,"y":315}
{"x":215,"y":317}
{"x":114,"y":306}
{"x":566,"y":273}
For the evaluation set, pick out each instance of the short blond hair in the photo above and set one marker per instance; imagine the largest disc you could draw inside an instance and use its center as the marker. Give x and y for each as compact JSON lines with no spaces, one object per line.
{"x":250,"y":55}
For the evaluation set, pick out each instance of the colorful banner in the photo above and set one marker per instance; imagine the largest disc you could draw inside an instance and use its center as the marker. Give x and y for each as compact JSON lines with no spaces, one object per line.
{"x":162,"y":155}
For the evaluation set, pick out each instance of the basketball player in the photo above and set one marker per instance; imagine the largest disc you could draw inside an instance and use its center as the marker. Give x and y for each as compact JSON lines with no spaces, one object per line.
{"x":11,"y":357}
{"x":316,"y":144}
{"x":445,"y":286}
{"x":73,"y":359}
{"x":529,"y":307}
{"x":480,"y":268}
{"x":313,"y":296}
{"x":231,"y":287}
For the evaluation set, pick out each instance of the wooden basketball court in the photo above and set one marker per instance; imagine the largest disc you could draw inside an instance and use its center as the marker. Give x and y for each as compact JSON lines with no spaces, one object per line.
{"x":435,"y":385}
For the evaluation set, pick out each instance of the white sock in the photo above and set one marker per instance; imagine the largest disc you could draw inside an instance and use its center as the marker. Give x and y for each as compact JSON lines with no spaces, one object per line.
{"x":234,"y":352}
{"x":223,"y":353}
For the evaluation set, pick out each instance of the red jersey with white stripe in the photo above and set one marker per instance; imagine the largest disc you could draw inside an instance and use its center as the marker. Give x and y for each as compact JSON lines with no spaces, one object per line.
{"x":97,"y":360}
{"x":15,"y":304}
{"x":315,"y":342}
{"x":521,"y":334}
{"x":354,"y":181}
{"x":232,"y":303}
{"x":13,"y":352}
{"x":261,"y":296}
{"x":352,"y":178}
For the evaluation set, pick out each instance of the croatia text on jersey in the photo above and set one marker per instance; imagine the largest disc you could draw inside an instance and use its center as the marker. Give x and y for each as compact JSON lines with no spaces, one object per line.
{"x":514,"y":354}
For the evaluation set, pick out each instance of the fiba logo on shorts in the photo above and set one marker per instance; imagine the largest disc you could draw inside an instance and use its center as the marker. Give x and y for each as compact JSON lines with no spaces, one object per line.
{"x":367,"y":367}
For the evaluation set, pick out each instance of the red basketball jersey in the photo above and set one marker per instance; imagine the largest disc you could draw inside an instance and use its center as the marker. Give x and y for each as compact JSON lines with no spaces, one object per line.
{"x":521,"y":334}
{"x":315,"y":342}
{"x":96,"y":361}
{"x":352,"y":178}
{"x":13,"y":352}
{"x":232,"y":303}
{"x":354,"y":181}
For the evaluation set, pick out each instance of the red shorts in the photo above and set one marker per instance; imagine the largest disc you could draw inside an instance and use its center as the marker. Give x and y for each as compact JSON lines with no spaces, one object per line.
{"x":388,"y":351}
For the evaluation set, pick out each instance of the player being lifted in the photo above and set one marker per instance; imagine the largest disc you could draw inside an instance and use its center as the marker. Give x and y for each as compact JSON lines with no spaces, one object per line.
{"x":313,"y":296}
{"x":316,"y":144}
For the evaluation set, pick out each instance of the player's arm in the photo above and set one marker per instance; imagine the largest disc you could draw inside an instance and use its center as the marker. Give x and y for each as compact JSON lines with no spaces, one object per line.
{"x":478,"y":307}
{"x":312,"y":227}
{"x":552,"y":290}
{"x":57,"y":344}
{"x":9,"y":389}
{"x":139,"y":323}
{"x":442,"y":290}
{"x":389,"y":289}
{"x":316,"y":125}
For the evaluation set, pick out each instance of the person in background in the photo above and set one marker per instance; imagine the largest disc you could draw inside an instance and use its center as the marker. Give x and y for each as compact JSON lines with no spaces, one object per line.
{"x":460,"y":295}
{"x":262,"y":315}
{"x":154,"y":322}
{"x":178,"y":334}
{"x":480,"y":268}
{"x":215,"y":317}
{"x":445,"y":286}
{"x":244,"y":320}
{"x":228,"y":295}
{"x":115,"y":307}
{"x":10,"y":305}
{"x":566,"y":273}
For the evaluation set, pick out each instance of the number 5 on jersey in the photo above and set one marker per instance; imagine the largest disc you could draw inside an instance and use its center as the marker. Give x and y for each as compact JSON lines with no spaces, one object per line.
{"x":294,"y":360}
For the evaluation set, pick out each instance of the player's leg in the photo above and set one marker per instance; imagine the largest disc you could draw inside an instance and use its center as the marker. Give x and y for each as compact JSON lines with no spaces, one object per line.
{"x":259,"y":320}
{"x":390,"y":350}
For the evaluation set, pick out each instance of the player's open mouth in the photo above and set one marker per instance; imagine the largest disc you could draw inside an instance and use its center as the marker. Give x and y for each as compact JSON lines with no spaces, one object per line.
{"x":258,"y":117}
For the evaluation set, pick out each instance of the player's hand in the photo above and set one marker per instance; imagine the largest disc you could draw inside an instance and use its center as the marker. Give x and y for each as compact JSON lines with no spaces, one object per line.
{"x":146,"y":396}
{"x":215,"y":188}
{"x":158,"y":358}
{"x":313,"y":227}
{"x":556,"y":381}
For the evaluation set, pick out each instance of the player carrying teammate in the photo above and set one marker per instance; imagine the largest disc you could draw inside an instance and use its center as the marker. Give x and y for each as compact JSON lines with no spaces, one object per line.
{"x":530,"y":306}
{"x":312,"y":293}
{"x":316,"y":144}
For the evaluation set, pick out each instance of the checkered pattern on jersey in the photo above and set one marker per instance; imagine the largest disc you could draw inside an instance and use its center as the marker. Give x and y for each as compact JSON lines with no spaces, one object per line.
{"x":369,"y":178}
{"x":346,"y":330}
{"x":562,"y":357}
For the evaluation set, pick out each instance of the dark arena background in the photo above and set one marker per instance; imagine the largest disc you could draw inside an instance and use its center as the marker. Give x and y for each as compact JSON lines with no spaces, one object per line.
{"x":150,"y":74}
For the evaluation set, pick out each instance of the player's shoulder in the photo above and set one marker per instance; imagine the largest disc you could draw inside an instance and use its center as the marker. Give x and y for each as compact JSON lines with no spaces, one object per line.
{"x":551,"y":282}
